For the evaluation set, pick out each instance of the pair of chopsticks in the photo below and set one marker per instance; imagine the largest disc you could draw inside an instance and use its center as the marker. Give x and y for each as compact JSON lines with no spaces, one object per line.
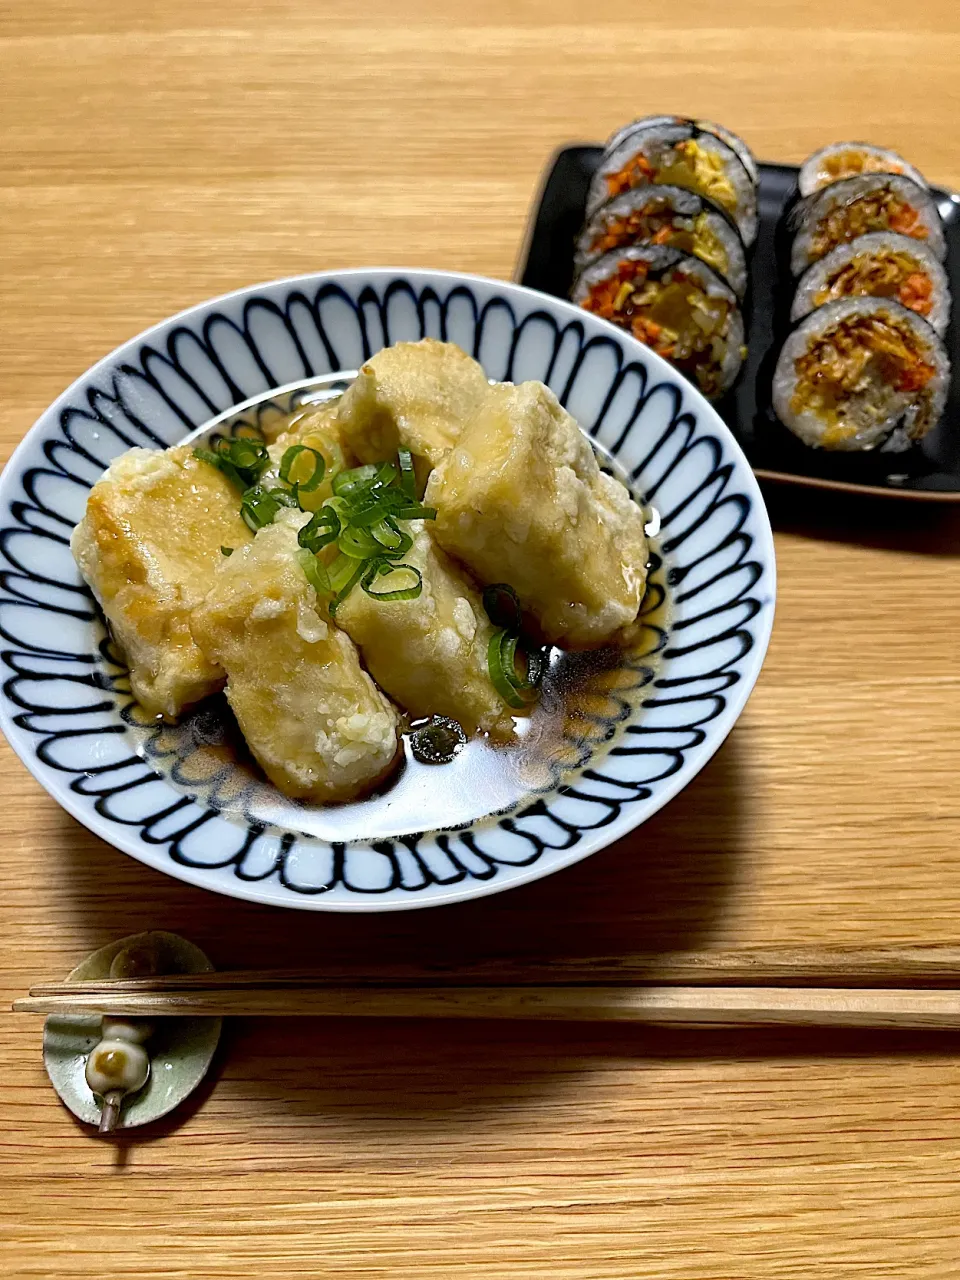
{"x":895,"y":988}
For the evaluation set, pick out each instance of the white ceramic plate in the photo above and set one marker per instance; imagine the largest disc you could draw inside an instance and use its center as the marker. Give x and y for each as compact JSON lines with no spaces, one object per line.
{"x":66,"y":708}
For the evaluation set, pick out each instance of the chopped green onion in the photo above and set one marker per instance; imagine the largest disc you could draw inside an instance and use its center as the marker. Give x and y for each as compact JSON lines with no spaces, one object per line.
{"x":321,"y":529}
{"x":284,"y":497}
{"x":316,"y":476}
{"x":226,"y":551}
{"x":345,"y":573}
{"x":391,"y":538}
{"x":535,"y":665}
{"x":386,"y":474}
{"x":439,"y":741}
{"x":317,"y":575}
{"x":416,"y":513}
{"x":387,"y":568}
{"x":356,"y":478}
{"x":242,"y":460}
{"x":358,"y":543}
{"x":259,"y":508}
{"x":408,"y":479}
{"x":497,"y":668}
{"x":502,"y":605}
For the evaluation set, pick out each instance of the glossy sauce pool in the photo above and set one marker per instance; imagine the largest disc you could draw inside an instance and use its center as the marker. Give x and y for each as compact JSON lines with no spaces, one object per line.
{"x":586,"y":700}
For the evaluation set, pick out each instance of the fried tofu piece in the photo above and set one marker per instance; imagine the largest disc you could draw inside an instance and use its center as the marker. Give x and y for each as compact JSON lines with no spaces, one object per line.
{"x":521,"y":499}
{"x":415,"y":395}
{"x":317,"y":428}
{"x":311,"y":715}
{"x":148,"y":546}
{"x":430,"y":654}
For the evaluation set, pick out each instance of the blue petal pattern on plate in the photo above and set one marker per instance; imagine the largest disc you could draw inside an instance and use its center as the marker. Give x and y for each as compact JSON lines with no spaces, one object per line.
{"x":65,"y":689}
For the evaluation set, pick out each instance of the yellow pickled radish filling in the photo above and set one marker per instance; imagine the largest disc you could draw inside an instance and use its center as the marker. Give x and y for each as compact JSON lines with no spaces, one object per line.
{"x":685,"y":164}
{"x":857,"y":374}
{"x":690,"y":166}
{"x":889,"y":274}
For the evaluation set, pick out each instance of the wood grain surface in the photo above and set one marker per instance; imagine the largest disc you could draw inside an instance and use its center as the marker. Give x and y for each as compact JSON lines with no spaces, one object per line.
{"x":153,"y":155}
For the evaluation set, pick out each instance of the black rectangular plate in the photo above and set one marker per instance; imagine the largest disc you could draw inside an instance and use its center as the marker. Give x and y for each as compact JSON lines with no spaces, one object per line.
{"x":930,"y":470}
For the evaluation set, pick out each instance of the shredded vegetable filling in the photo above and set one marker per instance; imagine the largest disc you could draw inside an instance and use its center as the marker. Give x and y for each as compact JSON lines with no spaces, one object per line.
{"x":880,"y":275}
{"x":672,"y":315}
{"x":859,"y":369}
{"x":659,"y":225}
{"x":879,"y":211}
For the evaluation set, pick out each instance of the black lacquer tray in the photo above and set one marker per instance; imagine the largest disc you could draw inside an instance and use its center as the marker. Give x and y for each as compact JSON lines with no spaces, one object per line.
{"x":930,"y":471}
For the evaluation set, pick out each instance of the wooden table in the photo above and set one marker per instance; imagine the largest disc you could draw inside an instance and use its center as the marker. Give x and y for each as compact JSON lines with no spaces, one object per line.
{"x":155,"y":155}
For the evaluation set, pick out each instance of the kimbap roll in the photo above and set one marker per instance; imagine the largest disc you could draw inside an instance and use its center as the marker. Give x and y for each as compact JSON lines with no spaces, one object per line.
{"x":861,"y":373}
{"x":878,"y":265}
{"x":678,"y":154}
{"x":669,"y":216}
{"x":676,"y":305}
{"x":855,"y":206}
{"x":842,"y":160}
{"x":733,"y":141}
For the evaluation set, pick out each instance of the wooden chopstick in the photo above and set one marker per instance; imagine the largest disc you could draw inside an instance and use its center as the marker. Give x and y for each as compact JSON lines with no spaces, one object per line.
{"x":695,"y":1006}
{"x":790,"y":967}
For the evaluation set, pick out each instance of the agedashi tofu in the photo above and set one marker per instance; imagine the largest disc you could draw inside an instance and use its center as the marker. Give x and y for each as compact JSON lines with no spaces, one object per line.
{"x":521,"y":499}
{"x":149,"y":545}
{"x":430,"y":654}
{"x":311,"y":715}
{"x":416,"y":395}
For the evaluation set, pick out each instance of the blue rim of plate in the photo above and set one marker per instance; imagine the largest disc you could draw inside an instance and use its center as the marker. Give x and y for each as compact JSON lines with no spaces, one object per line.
{"x":61,"y":715}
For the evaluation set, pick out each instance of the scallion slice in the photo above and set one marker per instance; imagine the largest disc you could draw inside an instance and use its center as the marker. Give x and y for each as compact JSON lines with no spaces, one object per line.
{"x":502,"y":606}
{"x":226,"y":551}
{"x":284,"y":497}
{"x":258,"y":508}
{"x":500,"y":655}
{"x":391,"y":538}
{"x":241,"y":459}
{"x":321,"y":529}
{"x":416,"y":513}
{"x":358,"y":543}
{"x":387,"y":568}
{"x":345,"y":573}
{"x":314,"y":480}
{"x":317,"y":575}
{"x":408,"y":479}
{"x":352,"y":481}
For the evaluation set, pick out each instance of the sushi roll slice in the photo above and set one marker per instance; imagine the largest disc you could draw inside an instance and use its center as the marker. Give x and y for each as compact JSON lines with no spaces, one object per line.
{"x":855,"y":206}
{"x":676,"y":305}
{"x":878,"y":265}
{"x":733,"y":141}
{"x":842,"y":160}
{"x":859,"y":374}
{"x":678,"y":154}
{"x":669,"y":216}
